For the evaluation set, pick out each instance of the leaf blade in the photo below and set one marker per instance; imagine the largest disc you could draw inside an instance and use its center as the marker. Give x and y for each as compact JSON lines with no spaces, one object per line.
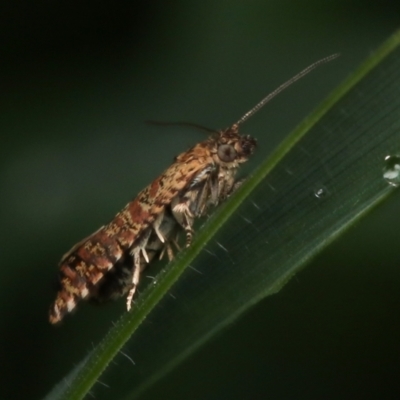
{"x":278,"y":227}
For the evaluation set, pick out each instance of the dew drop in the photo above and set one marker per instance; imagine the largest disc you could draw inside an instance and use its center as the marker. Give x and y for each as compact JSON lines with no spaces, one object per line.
{"x":391,"y":171}
{"x":320,"y":192}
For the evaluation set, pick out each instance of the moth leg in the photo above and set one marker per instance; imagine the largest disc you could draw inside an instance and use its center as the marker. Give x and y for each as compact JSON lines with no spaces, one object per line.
{"x":176,"y":244}
{"x":228,"y":190}
{"x":185,"y":219}
{"x":137,"y":252}
{"x":236,"y":186}
{"x":188,"y":231}
{"x":168,"y":248}
{"x":135,"y":277}
{"x":156,"y":227}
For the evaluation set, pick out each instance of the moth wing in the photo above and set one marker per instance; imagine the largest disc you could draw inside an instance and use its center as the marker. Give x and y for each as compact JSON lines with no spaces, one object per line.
{"x":178,"y":177}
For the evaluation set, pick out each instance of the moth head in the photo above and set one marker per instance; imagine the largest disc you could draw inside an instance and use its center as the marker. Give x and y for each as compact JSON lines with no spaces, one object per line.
{"x":233,"y":147}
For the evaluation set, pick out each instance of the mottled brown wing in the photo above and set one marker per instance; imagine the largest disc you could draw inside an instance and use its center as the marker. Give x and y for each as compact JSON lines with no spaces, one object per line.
{"x":86,"y":263}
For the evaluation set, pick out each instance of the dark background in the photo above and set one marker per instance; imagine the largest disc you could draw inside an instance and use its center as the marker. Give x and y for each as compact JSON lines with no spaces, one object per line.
{"x":78,"y":80}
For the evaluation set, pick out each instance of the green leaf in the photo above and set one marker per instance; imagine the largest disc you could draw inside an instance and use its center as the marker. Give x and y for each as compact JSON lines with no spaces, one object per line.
{"x":325,"y":176}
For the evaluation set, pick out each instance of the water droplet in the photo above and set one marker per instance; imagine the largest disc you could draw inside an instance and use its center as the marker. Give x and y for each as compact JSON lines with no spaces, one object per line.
{"x":321,"y":192}
{"x":391,"y":171}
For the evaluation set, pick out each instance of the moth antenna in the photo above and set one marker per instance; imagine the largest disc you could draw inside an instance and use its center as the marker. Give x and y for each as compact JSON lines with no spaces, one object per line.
{"x":179,"y":123}
{"x":285,"y":85}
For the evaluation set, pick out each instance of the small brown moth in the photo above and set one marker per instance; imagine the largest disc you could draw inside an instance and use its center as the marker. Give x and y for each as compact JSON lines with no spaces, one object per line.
{"x":108,"y":263}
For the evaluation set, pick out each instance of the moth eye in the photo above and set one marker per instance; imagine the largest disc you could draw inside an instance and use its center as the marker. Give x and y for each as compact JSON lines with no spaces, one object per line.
{"x":226,"y":152}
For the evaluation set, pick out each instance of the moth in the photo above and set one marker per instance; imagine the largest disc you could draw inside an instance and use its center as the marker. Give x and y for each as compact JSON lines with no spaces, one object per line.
{"x":107,"y":264}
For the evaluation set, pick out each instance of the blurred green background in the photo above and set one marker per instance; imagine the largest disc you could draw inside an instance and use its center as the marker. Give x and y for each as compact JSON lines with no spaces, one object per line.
{"x":78,"y":80}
